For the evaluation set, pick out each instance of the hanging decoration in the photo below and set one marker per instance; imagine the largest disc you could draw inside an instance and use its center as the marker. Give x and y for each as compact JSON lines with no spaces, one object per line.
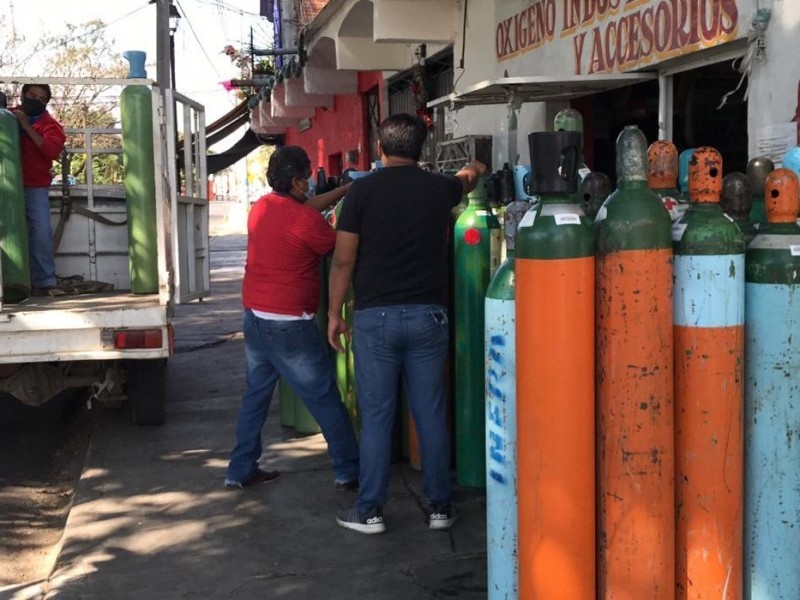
{"x":419,"y":89}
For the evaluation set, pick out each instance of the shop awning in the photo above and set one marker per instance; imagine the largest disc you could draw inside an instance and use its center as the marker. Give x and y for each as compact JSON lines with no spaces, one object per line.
{"x":538,"y":88}
{"x":249,"y":142}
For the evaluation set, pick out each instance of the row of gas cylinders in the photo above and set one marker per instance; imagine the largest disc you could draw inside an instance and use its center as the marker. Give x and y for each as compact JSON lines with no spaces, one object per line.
{"x":626,"y":387}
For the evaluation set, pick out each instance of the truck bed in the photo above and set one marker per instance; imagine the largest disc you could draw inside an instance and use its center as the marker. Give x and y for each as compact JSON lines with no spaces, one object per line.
{"x":71,"y":327}
{"x":112,"y":300}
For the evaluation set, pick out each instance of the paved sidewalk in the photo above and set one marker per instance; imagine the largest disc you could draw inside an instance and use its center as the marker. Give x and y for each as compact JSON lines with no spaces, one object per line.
{"x":152,"y":520}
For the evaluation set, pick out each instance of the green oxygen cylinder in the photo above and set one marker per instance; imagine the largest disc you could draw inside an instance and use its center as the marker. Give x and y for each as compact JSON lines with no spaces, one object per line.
{"x":16,"y":274}
{"x":136,"y":108}
{"x":477,"y":243}
{"x":757,"y":170}
{"x":287,"y":400}
{"x":344,"y":363}
{"x":570,"y":119}
{"x":304,"y":421}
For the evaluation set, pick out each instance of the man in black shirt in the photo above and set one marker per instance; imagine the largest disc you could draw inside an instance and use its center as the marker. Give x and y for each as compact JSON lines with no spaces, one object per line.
{"x":391,"y":242}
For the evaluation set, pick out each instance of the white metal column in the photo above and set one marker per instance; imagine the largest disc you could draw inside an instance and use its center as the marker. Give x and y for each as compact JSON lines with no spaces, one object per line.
{"x":190,"y":202}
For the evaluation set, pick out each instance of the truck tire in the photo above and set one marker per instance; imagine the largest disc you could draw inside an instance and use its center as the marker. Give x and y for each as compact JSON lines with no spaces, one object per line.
{"x":146,"y":389}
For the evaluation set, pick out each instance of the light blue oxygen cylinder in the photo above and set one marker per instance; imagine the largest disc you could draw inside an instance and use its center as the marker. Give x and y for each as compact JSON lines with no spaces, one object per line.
{"x":501,"y":420}
{"x":683,"y":172}
{"x":772,"y":399}
{"x":791,"y":160}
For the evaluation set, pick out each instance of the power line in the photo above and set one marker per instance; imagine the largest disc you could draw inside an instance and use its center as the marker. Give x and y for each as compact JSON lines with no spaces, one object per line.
{"x":220,"y":9}
{"x":230,"y":8}
{"x":197,"y":38}
{"x":64,"y":42}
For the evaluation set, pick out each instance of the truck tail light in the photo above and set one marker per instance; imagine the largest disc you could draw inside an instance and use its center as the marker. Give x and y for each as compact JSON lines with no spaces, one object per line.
{"x":127,"y":339}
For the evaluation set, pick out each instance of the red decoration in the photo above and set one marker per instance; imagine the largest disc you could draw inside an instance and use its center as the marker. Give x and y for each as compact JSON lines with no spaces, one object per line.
{"x":420,"y":94}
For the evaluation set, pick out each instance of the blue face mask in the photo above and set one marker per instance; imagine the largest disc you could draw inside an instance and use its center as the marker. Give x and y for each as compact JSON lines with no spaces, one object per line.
{"x":311,"y":187}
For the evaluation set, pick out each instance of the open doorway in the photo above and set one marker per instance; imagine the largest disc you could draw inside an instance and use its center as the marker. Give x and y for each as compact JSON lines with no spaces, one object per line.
{"x":607,"y":113}
{"x":698,"y":119}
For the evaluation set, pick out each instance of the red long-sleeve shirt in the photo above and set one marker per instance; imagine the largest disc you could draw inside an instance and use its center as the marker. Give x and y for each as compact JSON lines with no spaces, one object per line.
{"x":285,"y":241}
{"x":37,"y":162}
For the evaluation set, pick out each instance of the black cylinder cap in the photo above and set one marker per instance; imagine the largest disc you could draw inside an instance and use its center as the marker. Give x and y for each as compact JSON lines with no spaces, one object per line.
{"x":757,"y":171}
{"x":554,"y":157}
{"x":737,"y":195}
{"x":595,"y":188}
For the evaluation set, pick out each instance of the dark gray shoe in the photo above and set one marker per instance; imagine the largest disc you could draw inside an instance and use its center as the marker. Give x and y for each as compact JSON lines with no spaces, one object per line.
{"x":442,"y":516}
{"x":347,"y":486}
{"x":260,"y":476}
{"x":371,"y":522}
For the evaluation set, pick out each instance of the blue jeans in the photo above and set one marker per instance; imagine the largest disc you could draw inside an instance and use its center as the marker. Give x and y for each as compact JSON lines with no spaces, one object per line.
{"x":40,"y":237}
{"x":295,"y":351}
{"x":412,"y":341}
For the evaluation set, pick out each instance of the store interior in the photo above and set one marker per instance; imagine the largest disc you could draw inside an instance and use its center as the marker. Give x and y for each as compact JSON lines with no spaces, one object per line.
{"x":697,"y":120}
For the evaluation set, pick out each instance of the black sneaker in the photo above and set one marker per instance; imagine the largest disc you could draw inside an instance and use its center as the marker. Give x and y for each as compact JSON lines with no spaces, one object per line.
{"x":260,"y":476}
{"x":347,"y":486}
{"x":371,"y":522}
{"x":442,"y":516}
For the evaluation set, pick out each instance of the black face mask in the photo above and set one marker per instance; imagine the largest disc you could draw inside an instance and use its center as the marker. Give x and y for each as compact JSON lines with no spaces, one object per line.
{"x":32,"y":107}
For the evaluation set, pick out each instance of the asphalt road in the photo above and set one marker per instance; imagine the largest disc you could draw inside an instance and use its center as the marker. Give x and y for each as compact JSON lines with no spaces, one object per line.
{"x":42,"y":451}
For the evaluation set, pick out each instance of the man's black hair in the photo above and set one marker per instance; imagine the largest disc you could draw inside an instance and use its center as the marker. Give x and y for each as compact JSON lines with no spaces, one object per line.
{"x":402,"y":135}
{"x":42,"y":86}
{"x":286,"y":163}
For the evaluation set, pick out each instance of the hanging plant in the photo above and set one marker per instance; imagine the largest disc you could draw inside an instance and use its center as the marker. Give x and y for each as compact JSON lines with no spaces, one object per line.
{"x":419,"y":89}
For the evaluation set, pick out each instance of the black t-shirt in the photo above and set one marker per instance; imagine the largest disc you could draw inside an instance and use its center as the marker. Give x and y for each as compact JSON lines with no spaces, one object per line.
{"x":402,"y":217}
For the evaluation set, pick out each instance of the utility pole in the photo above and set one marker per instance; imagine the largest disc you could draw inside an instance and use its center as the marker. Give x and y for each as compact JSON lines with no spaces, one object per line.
{"x":165,"y":56}
{"x":163,"y":59}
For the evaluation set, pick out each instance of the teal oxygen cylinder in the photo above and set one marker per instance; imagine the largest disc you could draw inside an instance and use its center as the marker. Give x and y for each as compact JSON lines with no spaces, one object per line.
{"x":477,"y":243}
{"x":16,"y":274}
{"x":136,"y":107}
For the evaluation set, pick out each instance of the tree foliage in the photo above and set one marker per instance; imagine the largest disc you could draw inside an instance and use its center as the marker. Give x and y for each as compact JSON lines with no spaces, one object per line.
{"x":80,"y":51}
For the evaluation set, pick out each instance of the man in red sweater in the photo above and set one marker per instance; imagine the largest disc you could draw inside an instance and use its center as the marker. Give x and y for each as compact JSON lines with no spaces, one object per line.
{"x":41,"y":141}
{"x":286,"y":240}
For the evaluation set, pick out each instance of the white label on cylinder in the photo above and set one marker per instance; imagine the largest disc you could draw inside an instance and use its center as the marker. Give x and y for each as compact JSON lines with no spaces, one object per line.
{"x":677,"y":231}
{"x":583,"y":172}
{"x":601,"y":214}
{"x":795,"y":249}
{"x":495,"y":249}
{"x":568,"y":220}
{"x":482,"y":213}
{"x":527,"y":219}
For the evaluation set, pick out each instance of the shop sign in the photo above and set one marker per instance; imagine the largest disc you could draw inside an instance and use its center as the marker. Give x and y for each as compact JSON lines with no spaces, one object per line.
{"x":604,"y":36}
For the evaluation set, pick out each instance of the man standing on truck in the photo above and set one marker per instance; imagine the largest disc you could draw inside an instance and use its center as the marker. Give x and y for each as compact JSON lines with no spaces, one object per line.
{"x":41,"y":142}
{"x":286,"y":238}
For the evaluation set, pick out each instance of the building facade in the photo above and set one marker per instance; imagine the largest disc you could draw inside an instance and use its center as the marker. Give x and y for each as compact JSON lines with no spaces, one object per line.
{"x":700,"y":72}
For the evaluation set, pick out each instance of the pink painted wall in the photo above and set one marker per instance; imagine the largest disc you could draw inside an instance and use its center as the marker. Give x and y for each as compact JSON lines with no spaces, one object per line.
{"x":336,"y":131}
